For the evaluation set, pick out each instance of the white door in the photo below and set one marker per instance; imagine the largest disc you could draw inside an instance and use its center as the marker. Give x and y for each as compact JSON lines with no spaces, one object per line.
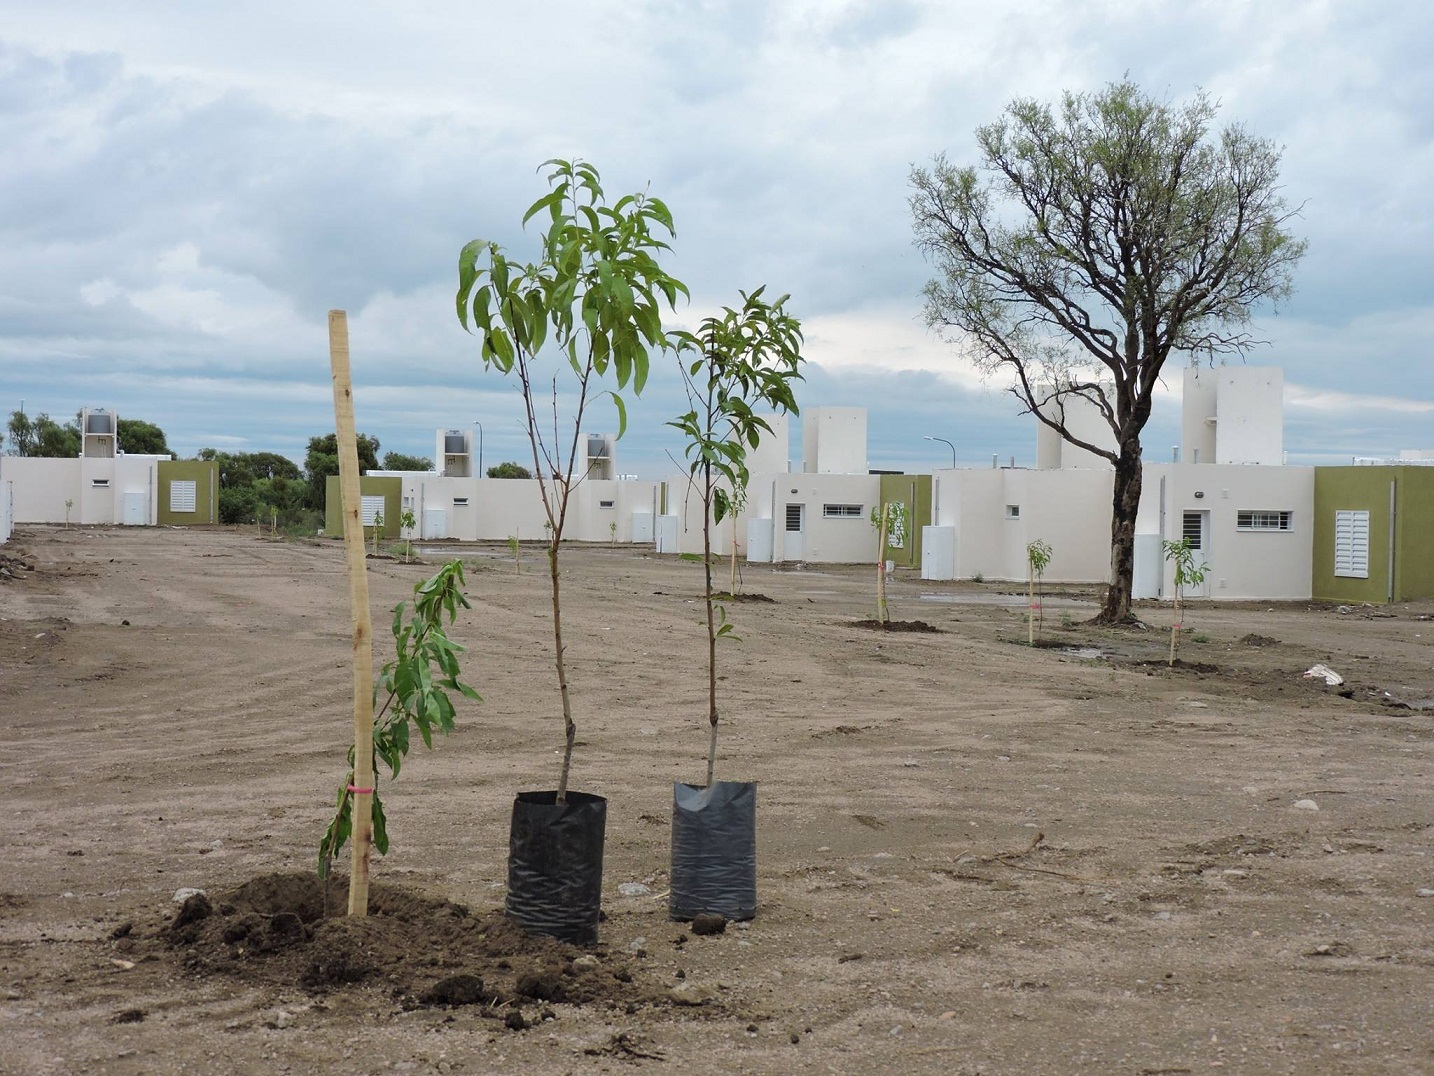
{"x":794,"y":538}
{"x":136,"y":503}
{"x":1196,"y":527}
{"x":435,"y":523}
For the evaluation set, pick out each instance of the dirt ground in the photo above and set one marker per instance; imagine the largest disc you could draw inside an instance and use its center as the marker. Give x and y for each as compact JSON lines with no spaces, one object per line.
{"x":974,"y":857}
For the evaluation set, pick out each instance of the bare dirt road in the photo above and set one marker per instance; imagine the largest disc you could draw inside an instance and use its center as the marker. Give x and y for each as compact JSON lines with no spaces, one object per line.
{"x":975,"y":857}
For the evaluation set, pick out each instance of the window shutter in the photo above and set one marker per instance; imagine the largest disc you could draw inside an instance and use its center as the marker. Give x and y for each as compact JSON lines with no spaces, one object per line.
{"x":1351,"y":544}
{"x":182,"y":495}
{"x":371,"y":507}
{"x":1191,"y":530}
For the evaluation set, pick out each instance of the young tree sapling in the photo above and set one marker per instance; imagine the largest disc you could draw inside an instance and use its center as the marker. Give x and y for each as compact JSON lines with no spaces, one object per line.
{"x":416,"y":682}
{"x":744,"y":357}
{"x":407,"y":522}
{"x":1187,"y":574}
{"x":596,"y":295}
{"x":889,"y":519}
{"x":1038,"y":557}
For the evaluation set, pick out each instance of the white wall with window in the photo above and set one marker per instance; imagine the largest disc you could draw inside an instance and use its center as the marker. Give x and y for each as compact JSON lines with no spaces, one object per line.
{"x":97,"y":489}
{"x":995,"y":512}
{"x":1254,"y":525}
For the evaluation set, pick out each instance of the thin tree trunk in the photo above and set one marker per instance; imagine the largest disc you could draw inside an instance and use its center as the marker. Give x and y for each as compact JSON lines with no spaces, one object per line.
{"x":711,"y":622}
{"x":732,"y":585}
{"x":1175,"y":627}
{"x":570,"y":730}
{"x":881,"y":613}
{"x":1125,"y":504}
{"x":1030,"y":605}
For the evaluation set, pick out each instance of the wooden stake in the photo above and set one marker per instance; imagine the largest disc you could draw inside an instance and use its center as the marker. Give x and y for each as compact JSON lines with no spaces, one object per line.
{"x":362,"y":839}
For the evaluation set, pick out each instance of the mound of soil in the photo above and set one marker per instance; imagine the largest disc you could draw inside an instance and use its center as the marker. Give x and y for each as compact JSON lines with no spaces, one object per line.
{"x":1181,"y":665}
{"x":744,"y":597}
{"x":1256,"y":639}
{"x":898,"y":625}
{"x":290,"y":929}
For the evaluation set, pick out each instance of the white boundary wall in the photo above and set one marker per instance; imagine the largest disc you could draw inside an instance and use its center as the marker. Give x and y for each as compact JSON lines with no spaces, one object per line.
{"x":7,"y":510}
{"x":95,"y":486}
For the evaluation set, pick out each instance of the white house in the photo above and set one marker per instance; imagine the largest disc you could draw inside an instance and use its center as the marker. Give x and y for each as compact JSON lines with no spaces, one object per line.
{"x":100,"y":486}
{"x":1249,"y":517}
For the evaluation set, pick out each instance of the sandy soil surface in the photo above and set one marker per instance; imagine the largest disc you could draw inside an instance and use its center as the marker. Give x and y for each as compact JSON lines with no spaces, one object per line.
{"x":975,"y":857}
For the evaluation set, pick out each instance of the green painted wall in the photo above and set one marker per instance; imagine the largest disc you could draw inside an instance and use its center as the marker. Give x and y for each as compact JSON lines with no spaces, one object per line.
{"x":205,"y":476}
{"x":1414,"y":572}
{"x":1367,"y":489}
{"x":391,"y":489}
{"x":914,"y":491}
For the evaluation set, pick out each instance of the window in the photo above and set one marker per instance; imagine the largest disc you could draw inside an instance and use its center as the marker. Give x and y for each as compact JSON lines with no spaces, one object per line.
{"x":100,"y":483}
{"x":837,"y":511}
{"x":460,"y":502}
{"x":605,"y":504}
{"x":182,"y":496}
{"x":369,"y":508}
{"x":794,"y":518}
{"x":1255,"y":520}
{"x":1351,"y":544}
{"x":1192,"y":529}
{"x":1013,"y":511}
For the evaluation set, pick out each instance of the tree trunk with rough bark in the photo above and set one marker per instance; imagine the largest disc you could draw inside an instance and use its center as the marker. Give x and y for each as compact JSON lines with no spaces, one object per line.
{"x":1125,"y":504}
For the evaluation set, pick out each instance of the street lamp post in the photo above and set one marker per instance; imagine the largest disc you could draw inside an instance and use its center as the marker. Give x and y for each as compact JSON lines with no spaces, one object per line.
{"x":481,"y":473}
{"x":945,"y":442}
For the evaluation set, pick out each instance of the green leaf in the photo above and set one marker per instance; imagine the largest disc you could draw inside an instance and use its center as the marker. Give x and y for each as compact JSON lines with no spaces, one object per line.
{"x":621,"y":413}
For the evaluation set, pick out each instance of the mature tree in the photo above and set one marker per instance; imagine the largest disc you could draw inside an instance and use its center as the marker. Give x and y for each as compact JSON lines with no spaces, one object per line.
{"x":322,"y":460}
{"x":509,"y":469}
{"x":245,"y":468}
{"x":398,"y":461}
{"x":1104,"y":236}
{"x":22,"y":433}
{"x":260,"y":486}
{"x":141,"y":437}
{"x":43,"y":436}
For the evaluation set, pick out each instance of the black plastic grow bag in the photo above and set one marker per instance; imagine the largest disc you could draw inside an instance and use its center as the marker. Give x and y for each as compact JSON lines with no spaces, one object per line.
{"x":714,"y":850}
{"x":555,"y":864}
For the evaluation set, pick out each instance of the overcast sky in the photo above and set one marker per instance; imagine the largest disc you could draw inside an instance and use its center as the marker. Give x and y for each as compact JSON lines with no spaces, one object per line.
{"x":187,"y":189}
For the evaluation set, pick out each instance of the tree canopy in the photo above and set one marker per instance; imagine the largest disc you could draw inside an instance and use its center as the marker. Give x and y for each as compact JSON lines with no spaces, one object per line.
{"x":141,"y":438}
{"x":42,"y":436}
{"x":398,"y":461}
{"x":509,"y":469}
{"x":1095,"y":240}
{"x":322,"y":460}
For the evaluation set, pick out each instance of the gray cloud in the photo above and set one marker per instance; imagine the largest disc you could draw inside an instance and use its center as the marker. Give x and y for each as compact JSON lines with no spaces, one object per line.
{"x":188,"y":191}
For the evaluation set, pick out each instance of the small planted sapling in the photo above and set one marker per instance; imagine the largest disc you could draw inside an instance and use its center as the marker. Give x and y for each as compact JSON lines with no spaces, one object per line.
{"x":889,"y":519}
{"x":612,"y":533}
{"x":377,"y":530}
{"x":69,"y":505}
{"x":743,"y":358}
{"x":1038,"y":558}
{"x":515,"y":547}
{"x":408,"y":523}
{"x":1187,"y":573}
{"x":736,"y":361}
{"x":415,"y":689}
{"x":739,"y":505}
{"x":591,"y":305}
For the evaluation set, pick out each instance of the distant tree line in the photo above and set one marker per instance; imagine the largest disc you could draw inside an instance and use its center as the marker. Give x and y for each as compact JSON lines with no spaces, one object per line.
{"x":43,"y":436}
